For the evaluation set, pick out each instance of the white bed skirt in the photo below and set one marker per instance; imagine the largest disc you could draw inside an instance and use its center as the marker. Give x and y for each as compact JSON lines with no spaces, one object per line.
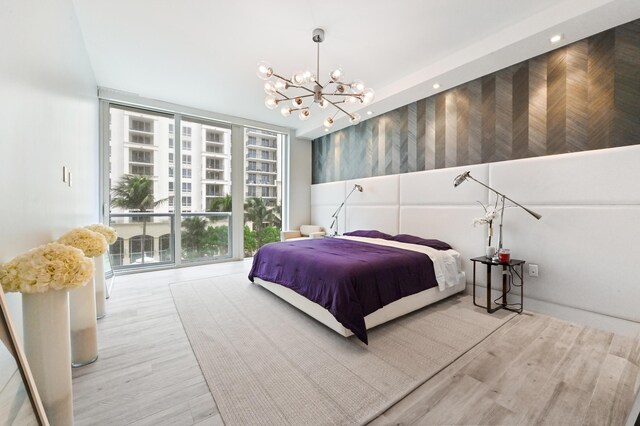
{"x":386,"y":313}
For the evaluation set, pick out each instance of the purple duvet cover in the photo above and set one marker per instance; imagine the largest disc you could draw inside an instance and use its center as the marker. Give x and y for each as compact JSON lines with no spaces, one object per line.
{"x":350,"y":279}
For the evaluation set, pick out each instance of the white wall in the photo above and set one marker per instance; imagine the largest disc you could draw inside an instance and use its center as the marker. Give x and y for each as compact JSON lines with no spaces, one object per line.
{"x":586,"y":243}
{"x":299,"y":182}
{"x":49,"y":113}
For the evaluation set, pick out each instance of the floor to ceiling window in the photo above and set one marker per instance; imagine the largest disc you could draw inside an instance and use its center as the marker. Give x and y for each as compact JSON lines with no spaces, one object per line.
{"x":158,"y":179}
{"x":263,"y":188}
{"x":168,"y":187}
{"x":206,"y":184}
{"x":141,"y":151}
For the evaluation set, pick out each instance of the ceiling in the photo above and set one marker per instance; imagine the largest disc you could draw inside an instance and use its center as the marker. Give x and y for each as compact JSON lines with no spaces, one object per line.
{"x":203,"y":53}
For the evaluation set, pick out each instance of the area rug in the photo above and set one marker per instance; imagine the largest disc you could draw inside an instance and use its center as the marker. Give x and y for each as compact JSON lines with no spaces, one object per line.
{"x":268,"y":363}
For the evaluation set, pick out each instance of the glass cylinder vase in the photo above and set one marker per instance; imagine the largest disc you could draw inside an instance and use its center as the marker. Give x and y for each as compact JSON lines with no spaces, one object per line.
{"x":47,"y":347}
{"x":84,"y":338}
{"x":101,"y":292}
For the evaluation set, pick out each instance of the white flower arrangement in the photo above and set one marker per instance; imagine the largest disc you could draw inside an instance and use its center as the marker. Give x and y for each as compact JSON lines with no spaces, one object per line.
{"x":52,"y":266}
{"x":491,"y":213}
{"x":91,"y":243}
{"x":107,"y":232}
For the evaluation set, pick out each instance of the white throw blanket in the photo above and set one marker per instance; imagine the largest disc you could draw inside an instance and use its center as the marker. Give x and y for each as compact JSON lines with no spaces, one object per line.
{"x":444,"y":261}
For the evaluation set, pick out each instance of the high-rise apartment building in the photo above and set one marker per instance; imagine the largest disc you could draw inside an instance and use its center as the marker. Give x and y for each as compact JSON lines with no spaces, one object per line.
{"x":145,"y":144}
{"x":262,"y":164}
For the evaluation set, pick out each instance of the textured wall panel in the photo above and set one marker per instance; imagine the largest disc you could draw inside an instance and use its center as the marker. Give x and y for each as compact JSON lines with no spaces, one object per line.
{"x":537,"y":106}
{"x":441,"y":130}
{"x":577,"y":97}
{"x":421,"y":134}
{"x":462,"y":126}
{"x":412,"y":131}
{"x":430,"y":150}
{"x":520,"y":108}
{"x":451,"y":124}
{"x":627,"y":84}
{"x":504,"y":114}
{"x":488,"y":111}
{"x":557,"y":102}
{"x":600,"y":72}
{"x":475,"y":122}
{"x":580,"y":97}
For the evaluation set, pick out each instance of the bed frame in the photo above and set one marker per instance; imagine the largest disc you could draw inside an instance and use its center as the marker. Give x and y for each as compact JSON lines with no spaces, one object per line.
{"x":386,"y":313}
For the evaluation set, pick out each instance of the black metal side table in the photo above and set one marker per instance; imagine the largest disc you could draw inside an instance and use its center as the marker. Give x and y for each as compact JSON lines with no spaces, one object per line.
{"x":508,"y":268}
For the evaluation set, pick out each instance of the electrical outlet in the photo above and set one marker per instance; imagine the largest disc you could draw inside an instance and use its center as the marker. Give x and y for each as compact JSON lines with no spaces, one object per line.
{"x":533,"y":270}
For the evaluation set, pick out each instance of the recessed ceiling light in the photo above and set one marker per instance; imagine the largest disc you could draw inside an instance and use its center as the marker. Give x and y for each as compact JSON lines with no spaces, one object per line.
{"x":369,"y":112}
{"x":436,"y":86}
{"x":326,"y":130}
{"x":556,"y":38}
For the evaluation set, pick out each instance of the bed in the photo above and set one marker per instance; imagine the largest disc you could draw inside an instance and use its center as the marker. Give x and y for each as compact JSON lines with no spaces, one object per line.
{"x":356,"y":282}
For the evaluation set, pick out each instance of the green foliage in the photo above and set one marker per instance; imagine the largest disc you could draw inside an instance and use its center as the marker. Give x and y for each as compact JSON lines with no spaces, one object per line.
{"x":217,"y":239}
{"x":220,"y":204}
{"x":250,"y":241}
{"x":265,"y":220}
{"x":135,"y":193}
{"x":270,"y":234}
{"x":193,"y":236}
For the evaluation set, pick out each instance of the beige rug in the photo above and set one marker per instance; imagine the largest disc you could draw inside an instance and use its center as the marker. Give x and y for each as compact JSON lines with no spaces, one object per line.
{"x":268,"y":363}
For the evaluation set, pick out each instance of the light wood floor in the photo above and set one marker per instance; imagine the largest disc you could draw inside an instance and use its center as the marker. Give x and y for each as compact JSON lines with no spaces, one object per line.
{"x":535,"y":369}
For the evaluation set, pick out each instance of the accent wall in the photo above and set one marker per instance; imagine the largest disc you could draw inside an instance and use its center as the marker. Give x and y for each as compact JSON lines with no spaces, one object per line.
{"x":580,"y":97}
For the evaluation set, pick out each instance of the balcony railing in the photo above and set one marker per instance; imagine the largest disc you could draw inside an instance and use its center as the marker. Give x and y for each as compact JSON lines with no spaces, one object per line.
{"x":146,"y":240}
{"x":156,"y":229}
{"x":214,"y":175}
{"x":206,"y":236}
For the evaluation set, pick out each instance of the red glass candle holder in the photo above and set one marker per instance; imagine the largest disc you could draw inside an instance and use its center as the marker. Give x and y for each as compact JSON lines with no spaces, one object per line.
{"x":504,"y":256}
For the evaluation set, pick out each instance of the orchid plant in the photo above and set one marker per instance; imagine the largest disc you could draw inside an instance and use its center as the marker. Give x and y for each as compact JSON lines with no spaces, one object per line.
{"x":491,"y":213}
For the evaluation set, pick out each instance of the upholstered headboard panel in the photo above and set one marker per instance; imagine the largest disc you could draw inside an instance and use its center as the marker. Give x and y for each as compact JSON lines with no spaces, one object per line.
{"x":586,"y":243}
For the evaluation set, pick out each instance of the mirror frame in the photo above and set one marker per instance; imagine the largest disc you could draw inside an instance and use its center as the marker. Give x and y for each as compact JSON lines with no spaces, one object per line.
{"x":14,"y":347}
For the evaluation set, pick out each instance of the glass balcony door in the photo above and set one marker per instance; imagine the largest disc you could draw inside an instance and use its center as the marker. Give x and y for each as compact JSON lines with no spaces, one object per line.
{"x":206,"y":191}
{"x":167,"y":189}
{"x":264,"y":152}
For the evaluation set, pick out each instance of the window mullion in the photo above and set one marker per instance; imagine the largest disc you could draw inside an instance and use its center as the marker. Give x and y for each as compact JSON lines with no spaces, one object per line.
{"x":177,"y":189}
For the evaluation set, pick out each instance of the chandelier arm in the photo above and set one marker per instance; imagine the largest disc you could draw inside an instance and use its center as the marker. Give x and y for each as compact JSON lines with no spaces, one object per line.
{"x":357,"y":95}
{"x":282,"y":78}
{"x":303,"y":87}
{"x":335,"y":104}
{"x":286,"y":98}
{"x":303,"y":96}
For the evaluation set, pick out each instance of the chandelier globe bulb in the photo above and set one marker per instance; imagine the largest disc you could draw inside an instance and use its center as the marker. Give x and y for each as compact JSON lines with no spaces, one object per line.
{"x":264,"y":70}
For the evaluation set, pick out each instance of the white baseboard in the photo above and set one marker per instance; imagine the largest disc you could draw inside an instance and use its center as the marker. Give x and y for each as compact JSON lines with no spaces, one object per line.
{"x":567,"y":313}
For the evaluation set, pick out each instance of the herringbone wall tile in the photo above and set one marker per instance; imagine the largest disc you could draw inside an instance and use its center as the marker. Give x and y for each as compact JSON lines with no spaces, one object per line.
{"x":580,"y":97}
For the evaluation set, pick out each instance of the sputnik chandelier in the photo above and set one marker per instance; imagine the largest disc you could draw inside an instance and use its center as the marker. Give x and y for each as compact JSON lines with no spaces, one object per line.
{"x":293,"y":94}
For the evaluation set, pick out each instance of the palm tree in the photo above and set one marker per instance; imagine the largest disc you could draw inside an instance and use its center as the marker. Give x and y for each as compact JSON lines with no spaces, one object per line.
{"x":220,"y":204}
{"x":194,"y":234}
{"x":262,"y":216}
{"x":135,"y":193}
{"x":258,"y":213}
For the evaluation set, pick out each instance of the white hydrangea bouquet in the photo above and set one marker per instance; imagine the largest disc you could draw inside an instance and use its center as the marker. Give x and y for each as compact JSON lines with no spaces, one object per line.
{"x":107,"y":232}
{"x":52,"y":266}
{"x":91,"y":243}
